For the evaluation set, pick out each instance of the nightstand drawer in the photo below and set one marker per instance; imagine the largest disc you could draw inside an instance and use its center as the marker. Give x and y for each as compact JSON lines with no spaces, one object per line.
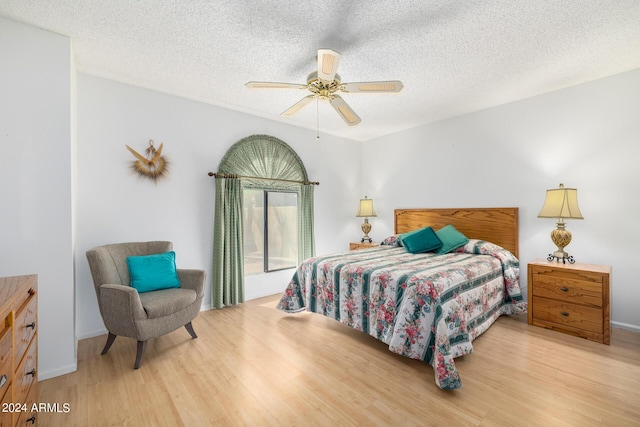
{"x":568,"y":290}
{"x":355,"y":246}
{"x":572,"y":315}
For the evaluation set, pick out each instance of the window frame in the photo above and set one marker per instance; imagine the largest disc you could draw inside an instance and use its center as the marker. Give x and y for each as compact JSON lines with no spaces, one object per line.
{"x":265,"y":230}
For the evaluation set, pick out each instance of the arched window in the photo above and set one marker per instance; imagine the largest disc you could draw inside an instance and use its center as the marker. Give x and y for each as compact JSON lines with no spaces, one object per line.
{"x":255,"y":164}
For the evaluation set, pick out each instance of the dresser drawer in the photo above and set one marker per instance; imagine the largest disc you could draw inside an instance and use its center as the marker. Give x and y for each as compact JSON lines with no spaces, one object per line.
{"x":25,"y":327}
{"x":5,"y":360}
{"x":26,"y":374}
{"x":23,"y":296}
{"x":564,"y":314}
{"x":5,"y":417}
{"x":568,"y":289}
{"x":28,"y":418}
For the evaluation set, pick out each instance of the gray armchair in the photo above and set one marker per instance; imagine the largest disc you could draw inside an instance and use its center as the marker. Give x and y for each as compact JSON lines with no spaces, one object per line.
{"x":141,"y":315}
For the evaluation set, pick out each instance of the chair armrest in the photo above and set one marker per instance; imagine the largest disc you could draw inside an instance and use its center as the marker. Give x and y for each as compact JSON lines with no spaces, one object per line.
{"x":119,"y":302}
{"x":192,"y":279}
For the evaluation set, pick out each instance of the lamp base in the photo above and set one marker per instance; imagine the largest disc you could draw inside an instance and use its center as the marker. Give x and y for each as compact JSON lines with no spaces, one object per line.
{"x":565,"y":258}
{"x":561,"y":237}
{"x":366,"y":228}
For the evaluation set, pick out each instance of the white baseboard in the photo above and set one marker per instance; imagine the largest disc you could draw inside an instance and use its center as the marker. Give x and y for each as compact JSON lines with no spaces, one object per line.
{"x":91,"y":334}
{"x":633,"y":328}
{"x":63,"y":370}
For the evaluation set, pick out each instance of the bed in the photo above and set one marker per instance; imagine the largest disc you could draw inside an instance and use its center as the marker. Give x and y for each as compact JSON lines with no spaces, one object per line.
{"x":424,"y":306}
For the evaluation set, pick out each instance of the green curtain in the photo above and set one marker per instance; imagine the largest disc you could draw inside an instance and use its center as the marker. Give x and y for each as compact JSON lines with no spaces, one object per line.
{"x":228,"y":253}
{"x":259,"y":156}
{"x":306,"y":240}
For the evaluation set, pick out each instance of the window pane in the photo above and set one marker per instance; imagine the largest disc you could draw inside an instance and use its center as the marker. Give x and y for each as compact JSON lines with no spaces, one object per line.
{"x":282,"y":230}
{"x":253,"y":221}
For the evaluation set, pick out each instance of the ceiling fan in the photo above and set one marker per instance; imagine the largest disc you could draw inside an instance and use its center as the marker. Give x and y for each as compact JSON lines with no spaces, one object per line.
{"x":323,"y":85}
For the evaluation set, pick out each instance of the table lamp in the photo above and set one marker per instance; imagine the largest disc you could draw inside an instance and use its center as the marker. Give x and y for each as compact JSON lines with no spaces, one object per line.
{"x":366,"y":210}
{"x":561,"y":203}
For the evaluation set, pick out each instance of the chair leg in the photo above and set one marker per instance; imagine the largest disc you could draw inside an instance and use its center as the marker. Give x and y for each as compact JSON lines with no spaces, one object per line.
{"x":141,"y":346}
{"x":189,"y":328}
{"x":110,"y":339}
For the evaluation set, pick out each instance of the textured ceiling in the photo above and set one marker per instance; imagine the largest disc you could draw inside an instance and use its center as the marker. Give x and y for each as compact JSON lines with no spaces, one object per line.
{"x":453,"y":57}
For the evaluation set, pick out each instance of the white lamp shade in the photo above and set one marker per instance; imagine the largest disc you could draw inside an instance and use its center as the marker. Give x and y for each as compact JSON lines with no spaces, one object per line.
{"x":561,"y":203}
{"x":366,"y":208}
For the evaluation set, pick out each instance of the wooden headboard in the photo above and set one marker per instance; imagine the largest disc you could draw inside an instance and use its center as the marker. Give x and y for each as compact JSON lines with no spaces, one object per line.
{"x":496,"y":225}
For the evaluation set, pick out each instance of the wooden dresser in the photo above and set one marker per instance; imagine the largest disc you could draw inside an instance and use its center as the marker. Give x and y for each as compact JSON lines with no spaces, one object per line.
{"x":354,"y":246}
{"x":570,"y":298}
{"x":18,"y":350}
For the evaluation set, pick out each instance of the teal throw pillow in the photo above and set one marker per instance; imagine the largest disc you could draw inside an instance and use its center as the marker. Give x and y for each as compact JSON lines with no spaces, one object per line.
{"x":409,"y":233}
{"x":451,"y":238}
{"x":422,"y":240}
{"x":153,"y":272}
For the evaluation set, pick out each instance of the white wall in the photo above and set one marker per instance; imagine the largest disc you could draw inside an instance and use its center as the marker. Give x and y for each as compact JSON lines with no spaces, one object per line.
{"x":116,"y":206}
{"x":587,"y":137}
{"x":36,"y":183}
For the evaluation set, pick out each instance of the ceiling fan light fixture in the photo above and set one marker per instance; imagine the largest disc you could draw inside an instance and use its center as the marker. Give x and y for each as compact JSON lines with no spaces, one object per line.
{"x":312,"y":78}
{"x":325,"y":82}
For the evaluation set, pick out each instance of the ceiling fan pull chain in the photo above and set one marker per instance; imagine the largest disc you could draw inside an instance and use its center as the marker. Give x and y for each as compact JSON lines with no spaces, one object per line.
{"x":317,"y":118}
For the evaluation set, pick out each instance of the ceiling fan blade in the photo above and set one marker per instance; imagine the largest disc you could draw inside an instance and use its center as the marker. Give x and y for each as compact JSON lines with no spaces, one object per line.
{"x":361,"y":87}
{"x":272,"y":85}
{"x":328,"y":61}
{"x":297,"y":106}
{"x":347,"y":114}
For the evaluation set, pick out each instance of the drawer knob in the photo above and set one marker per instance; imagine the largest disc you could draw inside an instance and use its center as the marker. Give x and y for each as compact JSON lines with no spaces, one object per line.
{"x":564,"y":289}
{"x":3,"y":380}
{"x":564,"y":313}
{"x":32,"y":325}
{"x":32,"y":372}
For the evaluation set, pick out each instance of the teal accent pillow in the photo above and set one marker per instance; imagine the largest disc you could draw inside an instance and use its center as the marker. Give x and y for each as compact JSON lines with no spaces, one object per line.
{"x":422,"y":240}
{"x":153,"y":272}
{"x":451,"y":238}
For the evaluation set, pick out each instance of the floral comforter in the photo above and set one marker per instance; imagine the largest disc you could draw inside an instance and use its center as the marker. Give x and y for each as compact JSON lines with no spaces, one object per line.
{"x":424,"y":306}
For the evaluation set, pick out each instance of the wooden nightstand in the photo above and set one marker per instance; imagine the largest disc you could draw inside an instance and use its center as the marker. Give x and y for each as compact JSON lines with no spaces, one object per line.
{"x":570,"y":298}
{"x":354,"y":246}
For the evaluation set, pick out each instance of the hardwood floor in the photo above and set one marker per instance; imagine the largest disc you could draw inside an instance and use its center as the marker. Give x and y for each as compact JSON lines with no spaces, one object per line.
{"x":254,"y":365}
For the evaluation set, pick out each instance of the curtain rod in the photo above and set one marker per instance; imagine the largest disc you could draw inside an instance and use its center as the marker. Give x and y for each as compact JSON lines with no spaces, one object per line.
{"x":231,"y":175}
